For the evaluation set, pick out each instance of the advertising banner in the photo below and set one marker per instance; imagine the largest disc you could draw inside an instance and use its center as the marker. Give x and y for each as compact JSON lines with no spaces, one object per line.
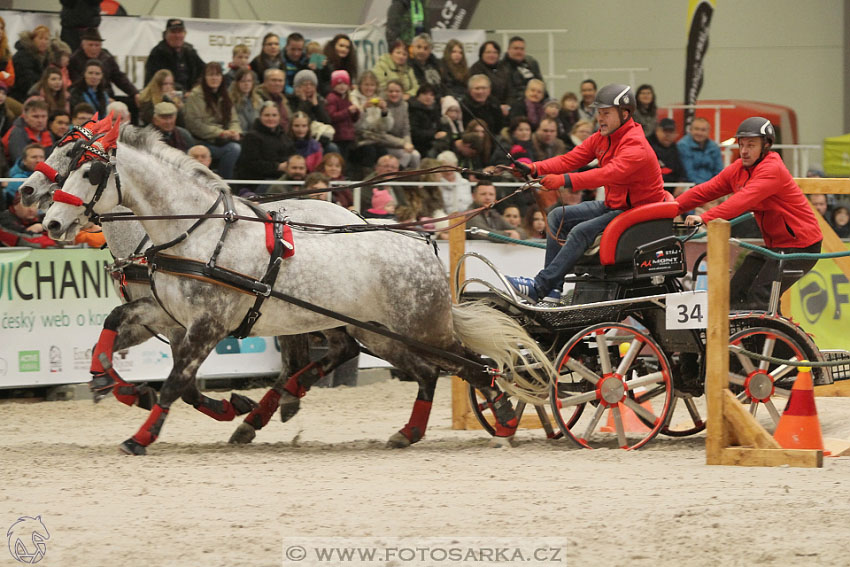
{"x":699,"y":23}
{"x":820,"y":302}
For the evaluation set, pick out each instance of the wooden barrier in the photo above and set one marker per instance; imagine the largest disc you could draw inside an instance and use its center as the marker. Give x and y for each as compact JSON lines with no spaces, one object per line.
{"x":733,"y":436}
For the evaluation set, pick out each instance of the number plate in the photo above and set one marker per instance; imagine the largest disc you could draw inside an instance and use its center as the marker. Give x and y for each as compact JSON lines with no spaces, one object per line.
{"x":687,"y":310}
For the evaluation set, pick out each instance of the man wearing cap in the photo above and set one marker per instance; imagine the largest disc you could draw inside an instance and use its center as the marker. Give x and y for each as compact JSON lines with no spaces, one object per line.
{"x":663,"y":142}
{"x":91,"y":47}
{"x":176,"y":55}
{"x":165,"y":122}
{"x":759,"y":182}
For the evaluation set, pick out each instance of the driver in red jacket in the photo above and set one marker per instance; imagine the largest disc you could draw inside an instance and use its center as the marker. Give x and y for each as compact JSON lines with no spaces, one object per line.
{"x":629,"y":170}
{"x":759,"y":182}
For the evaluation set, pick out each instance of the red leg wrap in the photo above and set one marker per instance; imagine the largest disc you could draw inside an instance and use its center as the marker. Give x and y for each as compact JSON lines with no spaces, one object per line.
{"x":509,"y":427}
{"x":219,"y":410}
{"x":124,"y":392}
{"x":103,"y":346}
{"x":260,"y":415}
{"x":415,"y":428}
{"x":148,"y":433}
{"x":294,"y":387}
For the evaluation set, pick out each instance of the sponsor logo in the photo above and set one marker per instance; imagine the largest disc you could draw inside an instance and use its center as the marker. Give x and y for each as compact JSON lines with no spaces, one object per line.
{"x":55,"y":359}
{"x":26,"y":539}
{"x":28,"y":361}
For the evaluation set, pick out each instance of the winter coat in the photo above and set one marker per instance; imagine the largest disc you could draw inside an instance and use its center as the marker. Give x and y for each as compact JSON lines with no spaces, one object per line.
{"x":429,"y":73}
{"x":498,"y":83}
{"x":203,"y":125}
{"x":29,"y":66}
{"x":112,"y":73}
{"x":373,"y":123}
{"x":399,"y":134}
{"x":517,"y":74}
{"x":7,"y":71}
{"x":263,"y":149}
{"x":627,"y":168}
{"x":260,"y":63}
{"x":341,"y":117}
{"x":98,"y":99}
{"x":164,"y":57}
{"x":247,"y":110}
{"x":767,"y":190}
{"x":316,"y":112}
{"x":647,"y":120}
{"x":424,"y":124}
{"x":701,"y":163}
{"x":668,"y":158}
{"x":488,"y":111}
{"x":20,"y":136}
{"x":385,"y":69}
{"x":311,"y":150}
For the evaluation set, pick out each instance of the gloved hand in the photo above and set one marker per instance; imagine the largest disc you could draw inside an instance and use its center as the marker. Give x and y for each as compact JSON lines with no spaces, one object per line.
{"x":522,"y":171}
{"x":556,"y":181}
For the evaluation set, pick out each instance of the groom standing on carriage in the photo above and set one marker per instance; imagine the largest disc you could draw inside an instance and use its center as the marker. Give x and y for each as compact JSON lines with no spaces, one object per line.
{"x":629,"y":171}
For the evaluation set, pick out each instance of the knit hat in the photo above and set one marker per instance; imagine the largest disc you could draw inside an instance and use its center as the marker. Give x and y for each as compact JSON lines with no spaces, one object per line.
{"x":303,"y":76}
{"x":340,"y":76}
{"x":447,"y":158}
{"x":448,"y":102}
{"x":381,"y":198}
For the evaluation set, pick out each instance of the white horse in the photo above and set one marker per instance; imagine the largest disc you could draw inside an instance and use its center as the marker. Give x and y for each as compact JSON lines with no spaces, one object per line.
{"x":389,"y":279}
{"x":128,"y":238}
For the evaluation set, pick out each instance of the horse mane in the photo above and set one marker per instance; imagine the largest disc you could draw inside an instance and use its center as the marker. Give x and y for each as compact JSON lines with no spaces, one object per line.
{"x":149,"y":141}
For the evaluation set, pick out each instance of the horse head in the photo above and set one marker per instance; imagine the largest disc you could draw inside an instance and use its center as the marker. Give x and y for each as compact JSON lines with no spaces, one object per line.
{"x":84,"y":193}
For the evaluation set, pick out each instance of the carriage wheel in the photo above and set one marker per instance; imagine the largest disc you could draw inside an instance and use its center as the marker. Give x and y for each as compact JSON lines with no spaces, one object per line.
{"x":686,"y":416}
{"x":485,"y":416}
{"x":756,"y":382}
{"x":620,"y":371}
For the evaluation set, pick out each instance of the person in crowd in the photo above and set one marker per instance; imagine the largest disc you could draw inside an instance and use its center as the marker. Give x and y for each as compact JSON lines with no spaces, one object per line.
{"x":342,"y":111}
{"x":581,"y":131}
{"x":10,"y":109}
{"x":383,"y":205}
{"x":478,"y":127}
{"x":201,"y":154}
{"x":7,"y":68}
{"x":315,"y":58}
{"x":426,"y":201}
{"x":531,"y":104}
{"x":759,"y":182}
{"x":77,"y":16}
{"x":821,"y":204}
{"x":646,"y":113}
{"x":479,"y":103}
{"x":295,"y":60}
{"x":398,"y":140}
{"x":161,"y":88}
{"x":306,"y":99}
{"x":177,"y":55}
{"x":629,"y":171}
{"x":29,"y":128}
{"x":425,"y":64}
{"x":517,"y":141}
{"x":568,"y":115}
{"x":518,"y":68}
{"x":455,"y":189}
{"x":454,"y":69}
{"x":21,"y":226}
{"x":305,"y":144}
{"x":51,"y":90}
{"x":270,"y":56}
{"x":59,"y":56}
{"x":240,"y":59}
{"x":394,"y":66}
{"x":545,"y":140}
{"x":451,"y":123}
{"x":840,"y":220}
{"x":512,"y":216}
{"x":32,"y":155}
{"x":586,"y":110}
{"x":470,"y":151}
{"x":534,"y":223}
{"x":484,"y":194}
{"x":405,"y":20}
{"x":246,"y":100}
{"x":700,"y":155}
{"x":81,"y":114}
{"x":340,"y":55}
{"x":425,"y":120}
{"x":386,"y":164}
{"x":317,"y":180}
{"x":120,"y":111}
{"x":164,"y":120}
{"x":296,"y":170}
{"x":489,"y":65}
{"x":91,"y":88}
{"x":58,"y":123}
{"x":210,"y":117}
{"x":29,"y":60}
{"x":663,"y":142}
{"x":332,"y":166}
{"x":274,"y":81}
{"x":265,"y":147}
{"x":91,"y":47}
{"x":374,"y":122}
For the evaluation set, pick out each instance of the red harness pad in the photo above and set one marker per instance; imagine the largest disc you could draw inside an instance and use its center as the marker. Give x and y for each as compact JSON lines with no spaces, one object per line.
{"x":287,"y":238}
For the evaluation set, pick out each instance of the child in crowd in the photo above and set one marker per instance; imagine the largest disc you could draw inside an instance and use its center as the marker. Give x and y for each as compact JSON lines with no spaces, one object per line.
{"x":342,"y":111}
{"x":305,"y":144}
{"x":840,"y":220}
{"x":383,"y":205}
{"x":315,"y":56}
{"x":241,"y":60}
{"x":333,"y":166}
{"x":568,"y":116}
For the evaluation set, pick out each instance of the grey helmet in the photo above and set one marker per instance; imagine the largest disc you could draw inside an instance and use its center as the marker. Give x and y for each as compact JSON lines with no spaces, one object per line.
{"x":757,"y":127}
{"x":617,"y":95}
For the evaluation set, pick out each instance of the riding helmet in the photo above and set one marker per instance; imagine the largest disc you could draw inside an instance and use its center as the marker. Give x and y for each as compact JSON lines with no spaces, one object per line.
{"x":757,"y":127}
{"x":617,"y":95}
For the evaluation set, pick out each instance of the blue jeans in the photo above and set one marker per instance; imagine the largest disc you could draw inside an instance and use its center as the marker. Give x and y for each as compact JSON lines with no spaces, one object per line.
{"x":226,"y":157}
{"x":581,"y":225}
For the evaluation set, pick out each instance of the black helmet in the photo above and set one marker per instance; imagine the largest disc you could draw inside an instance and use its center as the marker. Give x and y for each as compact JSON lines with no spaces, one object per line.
{"x":757,"y":127}
{"x":617,"y":95}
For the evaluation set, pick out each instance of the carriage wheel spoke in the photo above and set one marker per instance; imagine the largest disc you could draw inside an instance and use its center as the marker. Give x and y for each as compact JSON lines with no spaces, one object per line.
{"x":754,"y":407}
{"x":629,"y":358}
{"x":520,"y":408}
{"x":736,"y":379}
{"x":618,"y":425}
{"x":640,"y":410}
{"x":782,"y":392}
{"x":591,"y":427}
{"x":771,"y":409}
{"x":783,"y":370}
{"x":582,"y":371}
{"x":767,"y":350}
{"x":649,"y":394}
{"x":745,"y":362}
{"x":742,"y":396}
{"x":602,"y":352}
{"x":693,"y":410}
{"x":545,"y":421}
{"x":651,"y":378}
{"x":578,"y":399}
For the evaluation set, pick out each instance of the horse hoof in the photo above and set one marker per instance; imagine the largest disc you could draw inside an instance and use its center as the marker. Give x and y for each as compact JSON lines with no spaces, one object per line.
{"x":242,"y":404}
{"x":132,"y":447}
{"x":398,"y":441}
{"x":289,"y":406}
{"x":502,"y":442}
{"x":243,"y":435}
{"x":147,"y":397}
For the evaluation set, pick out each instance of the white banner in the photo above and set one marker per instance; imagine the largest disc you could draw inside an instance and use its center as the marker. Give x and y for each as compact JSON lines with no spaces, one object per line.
{"x":471,"y":39}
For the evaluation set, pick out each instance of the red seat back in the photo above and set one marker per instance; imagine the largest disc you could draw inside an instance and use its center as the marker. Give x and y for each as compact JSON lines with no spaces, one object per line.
{"x":627,"y":219}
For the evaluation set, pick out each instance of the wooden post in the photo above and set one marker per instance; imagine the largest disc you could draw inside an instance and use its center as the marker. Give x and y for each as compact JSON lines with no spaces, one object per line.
{"x":457,"y":248}
{"x":717,"y":336}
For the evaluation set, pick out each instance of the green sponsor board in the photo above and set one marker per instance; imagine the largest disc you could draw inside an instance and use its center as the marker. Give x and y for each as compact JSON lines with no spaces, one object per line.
{"x":820,"y":302}
{"x":28,"y":361}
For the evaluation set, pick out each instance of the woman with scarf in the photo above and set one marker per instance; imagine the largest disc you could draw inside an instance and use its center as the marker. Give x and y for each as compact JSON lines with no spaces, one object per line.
{"x":90,"y":88}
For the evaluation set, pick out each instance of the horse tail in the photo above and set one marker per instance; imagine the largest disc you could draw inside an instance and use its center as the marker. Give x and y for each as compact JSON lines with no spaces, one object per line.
{"x":489,"y":332}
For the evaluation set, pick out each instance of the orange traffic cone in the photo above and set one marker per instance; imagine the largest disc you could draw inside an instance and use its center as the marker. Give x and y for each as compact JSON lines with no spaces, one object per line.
{"x":799,"y":427}
{"x":631,"y":422}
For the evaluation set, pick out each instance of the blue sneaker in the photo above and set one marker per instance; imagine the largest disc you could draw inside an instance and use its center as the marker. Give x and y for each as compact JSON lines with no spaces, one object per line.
{"x":553,"y":296}
{"x":524,"y":287}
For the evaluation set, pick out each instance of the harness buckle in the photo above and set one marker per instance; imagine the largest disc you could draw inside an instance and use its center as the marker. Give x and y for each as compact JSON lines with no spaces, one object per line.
{"x":266,"y":290}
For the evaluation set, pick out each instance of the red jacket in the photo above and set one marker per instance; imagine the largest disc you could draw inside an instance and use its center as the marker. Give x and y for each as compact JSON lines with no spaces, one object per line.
{"x":782,"y":212}
{"x":341,"y":118}
{"x":628,"y":168}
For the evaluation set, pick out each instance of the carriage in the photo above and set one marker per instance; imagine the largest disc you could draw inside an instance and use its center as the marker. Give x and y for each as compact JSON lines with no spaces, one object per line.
{"x":628,"y":347}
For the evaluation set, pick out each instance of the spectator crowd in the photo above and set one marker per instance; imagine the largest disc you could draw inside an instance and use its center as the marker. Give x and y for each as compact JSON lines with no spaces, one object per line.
{"x":305,"y":112}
